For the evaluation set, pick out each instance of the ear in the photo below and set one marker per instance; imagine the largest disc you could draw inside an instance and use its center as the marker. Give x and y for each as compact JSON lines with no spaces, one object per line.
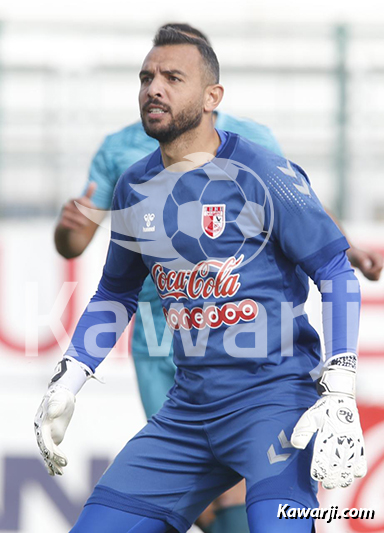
{"x":213,"y":96}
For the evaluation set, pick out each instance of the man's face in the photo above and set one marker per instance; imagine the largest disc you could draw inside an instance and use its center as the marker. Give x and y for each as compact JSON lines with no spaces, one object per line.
{"x":171,"y":95}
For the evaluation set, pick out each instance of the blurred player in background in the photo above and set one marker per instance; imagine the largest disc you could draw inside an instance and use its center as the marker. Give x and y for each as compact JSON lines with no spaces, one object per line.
{"x":74,"y":232}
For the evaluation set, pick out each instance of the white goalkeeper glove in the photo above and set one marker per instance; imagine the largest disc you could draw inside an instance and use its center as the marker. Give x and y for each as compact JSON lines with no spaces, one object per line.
{"x":338,"y":455}
{"x":56,"y":410}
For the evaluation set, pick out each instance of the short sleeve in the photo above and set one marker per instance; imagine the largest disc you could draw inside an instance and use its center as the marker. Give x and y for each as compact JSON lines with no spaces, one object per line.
{"x":102,"y":173}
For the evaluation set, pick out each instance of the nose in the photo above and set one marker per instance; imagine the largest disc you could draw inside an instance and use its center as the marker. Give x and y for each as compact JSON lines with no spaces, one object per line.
{"x":155,"y":88}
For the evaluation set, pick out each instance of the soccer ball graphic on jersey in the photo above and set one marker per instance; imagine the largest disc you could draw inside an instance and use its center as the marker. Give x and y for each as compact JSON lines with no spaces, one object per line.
{"x":182,"y":218}
{"x":213,"y":218}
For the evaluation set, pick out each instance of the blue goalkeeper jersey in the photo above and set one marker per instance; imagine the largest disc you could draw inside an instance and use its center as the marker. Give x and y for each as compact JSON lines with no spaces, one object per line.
{"x":121,"y":150}
{"x":230,"y":246}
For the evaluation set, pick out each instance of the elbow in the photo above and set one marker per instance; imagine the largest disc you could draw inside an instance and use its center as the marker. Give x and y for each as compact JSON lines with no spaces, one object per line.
{"x":67,"y":254}
{"x":64,"y":247}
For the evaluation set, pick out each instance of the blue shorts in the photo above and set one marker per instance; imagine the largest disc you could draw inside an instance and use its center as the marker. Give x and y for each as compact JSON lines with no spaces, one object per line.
{"x":171,"y":470}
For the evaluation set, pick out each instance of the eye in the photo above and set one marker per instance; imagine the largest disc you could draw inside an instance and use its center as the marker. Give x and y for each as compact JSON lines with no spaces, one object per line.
{"x":174,"y":78}
{"x":144,"y":80}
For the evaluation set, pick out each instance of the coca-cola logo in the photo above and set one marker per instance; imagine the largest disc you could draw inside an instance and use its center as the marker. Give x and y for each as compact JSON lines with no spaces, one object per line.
{"x":200,"y":282}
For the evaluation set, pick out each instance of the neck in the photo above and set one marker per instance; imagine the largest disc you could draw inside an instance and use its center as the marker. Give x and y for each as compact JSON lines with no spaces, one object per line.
{"x":202,"y":141}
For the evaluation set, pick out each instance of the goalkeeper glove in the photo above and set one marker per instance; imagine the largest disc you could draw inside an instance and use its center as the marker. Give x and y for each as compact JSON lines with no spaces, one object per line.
{"x":338,"y":454}
{"x":56,"y":410}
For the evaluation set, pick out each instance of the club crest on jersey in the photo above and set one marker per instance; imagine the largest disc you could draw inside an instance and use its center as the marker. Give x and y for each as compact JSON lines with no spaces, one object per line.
{"x":213,"y":220}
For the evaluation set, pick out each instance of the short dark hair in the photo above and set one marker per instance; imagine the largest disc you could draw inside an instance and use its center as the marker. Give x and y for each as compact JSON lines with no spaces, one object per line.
{"x":186,"y":28}
{"x":169,"y":37}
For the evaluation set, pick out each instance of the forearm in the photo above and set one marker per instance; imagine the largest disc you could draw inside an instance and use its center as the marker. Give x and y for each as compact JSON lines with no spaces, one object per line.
{"x":341,"y":306}
{"x":101,"y":325}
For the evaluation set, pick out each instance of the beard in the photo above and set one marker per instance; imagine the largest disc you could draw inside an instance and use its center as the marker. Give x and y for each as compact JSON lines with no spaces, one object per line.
{"x":185,"y":121}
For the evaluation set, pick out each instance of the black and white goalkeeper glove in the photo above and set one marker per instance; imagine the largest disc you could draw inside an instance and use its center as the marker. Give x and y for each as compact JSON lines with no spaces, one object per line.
{"x":338,"y":455}
{"x":56,"y":410}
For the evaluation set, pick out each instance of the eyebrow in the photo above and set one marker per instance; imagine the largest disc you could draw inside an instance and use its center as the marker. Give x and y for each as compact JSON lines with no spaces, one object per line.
{"x":144,"y":73}
{"x":174,"y":71}
{"x":171,"y":72}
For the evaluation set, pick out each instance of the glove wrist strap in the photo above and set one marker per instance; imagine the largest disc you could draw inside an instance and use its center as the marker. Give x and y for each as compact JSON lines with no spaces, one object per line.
{"x":339,"y":377}
{"x":70,"y":374}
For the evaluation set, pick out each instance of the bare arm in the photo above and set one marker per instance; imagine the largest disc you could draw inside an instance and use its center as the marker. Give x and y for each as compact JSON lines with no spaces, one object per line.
{"x":370,"y":263}
{"x":74,"y":231}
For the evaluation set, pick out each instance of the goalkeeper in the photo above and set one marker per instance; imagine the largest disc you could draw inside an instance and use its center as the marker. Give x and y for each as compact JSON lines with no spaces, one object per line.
{"x":232,"y":407}
{"x":74,"y":232}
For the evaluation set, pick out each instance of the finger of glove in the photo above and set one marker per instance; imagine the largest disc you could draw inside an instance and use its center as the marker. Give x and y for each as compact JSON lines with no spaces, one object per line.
{"x":54,"y":452}
{"x":55,"y":462}
{"x":48,"y":448}
{"x":360,"y":468}
{"x":319,"y":471}
{"x":52,"y":464}
{"x":346,"y":479}
{"x":320,"y":464}
{"x":44,"y":439}
{"x":45,"y":450}
{"x":339,"y":478}
{"x":59,"y":458}
{"x":329,"y":484}
{"x":304,"y":430}
{"x":52,"y":468}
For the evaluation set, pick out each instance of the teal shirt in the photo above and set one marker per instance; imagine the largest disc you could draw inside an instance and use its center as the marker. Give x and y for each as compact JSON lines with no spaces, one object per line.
{"x":121,"y":150}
